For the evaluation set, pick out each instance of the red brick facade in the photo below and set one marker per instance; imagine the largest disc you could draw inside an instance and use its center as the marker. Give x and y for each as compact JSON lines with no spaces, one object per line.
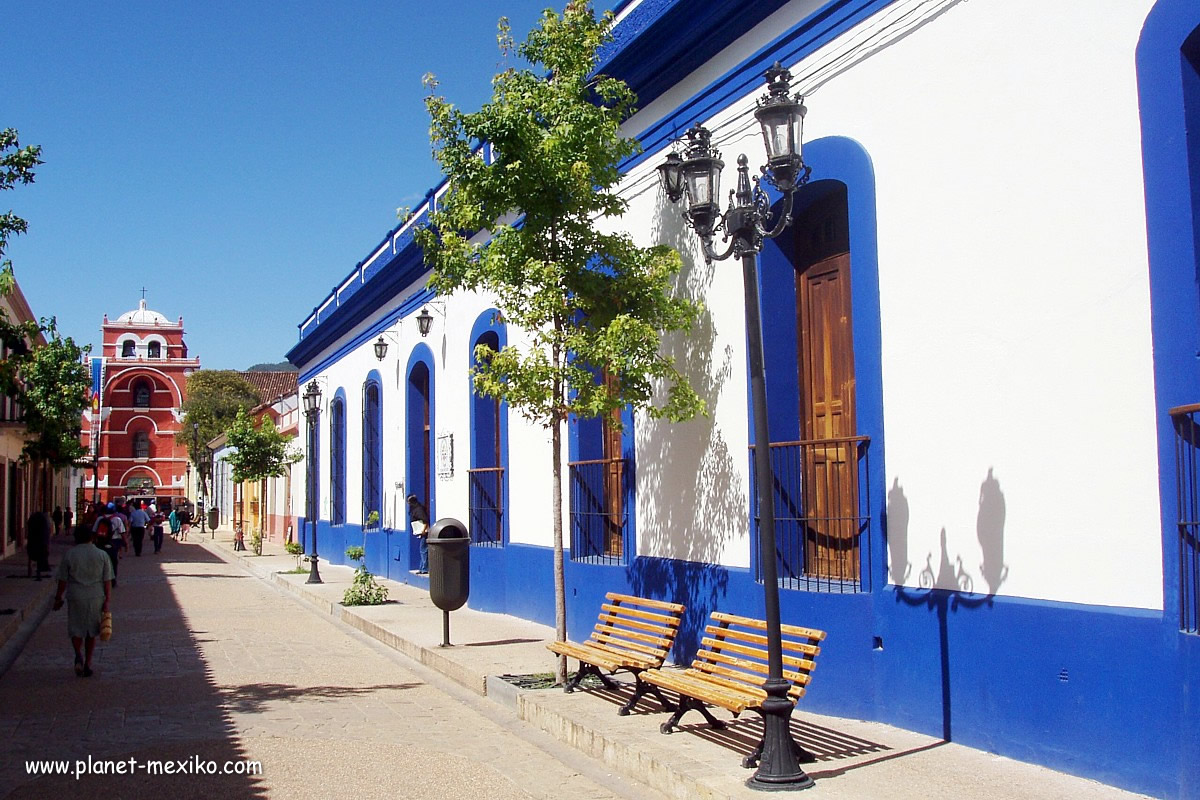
{"x":146,"y":365}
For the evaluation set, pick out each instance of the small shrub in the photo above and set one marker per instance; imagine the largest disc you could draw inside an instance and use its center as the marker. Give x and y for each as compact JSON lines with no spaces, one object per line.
{"x":295,"y":549}
{"x":256,"y":541}
{"x":364,"y":591}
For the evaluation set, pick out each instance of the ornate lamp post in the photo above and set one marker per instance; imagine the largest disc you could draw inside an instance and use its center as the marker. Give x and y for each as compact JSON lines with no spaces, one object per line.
{"x":697,"y":174}
{"x":312,"y":412}
{"x":202,"y":462}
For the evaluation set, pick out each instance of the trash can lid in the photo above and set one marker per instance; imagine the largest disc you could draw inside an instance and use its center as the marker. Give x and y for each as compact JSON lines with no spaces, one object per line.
{"x":448,"y":528}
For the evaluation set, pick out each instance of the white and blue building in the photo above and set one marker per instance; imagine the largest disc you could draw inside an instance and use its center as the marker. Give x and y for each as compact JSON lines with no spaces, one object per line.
{"x":982,"y":338}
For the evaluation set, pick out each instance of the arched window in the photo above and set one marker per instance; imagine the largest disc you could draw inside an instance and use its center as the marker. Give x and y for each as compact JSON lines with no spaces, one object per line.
{"x":486,"y":474}
{"x":154,"y":350}
{"x":142,"y":392}
{"x":128,"y":348}
{"x":337,"y":461}
{"x":372,"y":458}
{"x":823,"y":384}
{"x":601,"y":486}
{"x":141,"y":444}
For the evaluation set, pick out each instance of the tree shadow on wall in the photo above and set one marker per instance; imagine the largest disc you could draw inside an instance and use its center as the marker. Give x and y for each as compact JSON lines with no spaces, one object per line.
{"x":948,"y":587}
{"x":693,"y":493}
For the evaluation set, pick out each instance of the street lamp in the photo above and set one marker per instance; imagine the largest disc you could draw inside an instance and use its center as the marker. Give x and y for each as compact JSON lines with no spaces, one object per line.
{"x":312,"y":411}
{"x":744,"y":224}
{"x":202,"y":463}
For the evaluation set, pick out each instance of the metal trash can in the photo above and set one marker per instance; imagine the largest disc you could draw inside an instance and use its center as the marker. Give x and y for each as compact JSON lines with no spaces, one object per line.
{"x":213,"y":516}
{"x":449,"y":564}
{"x":449,"y":569}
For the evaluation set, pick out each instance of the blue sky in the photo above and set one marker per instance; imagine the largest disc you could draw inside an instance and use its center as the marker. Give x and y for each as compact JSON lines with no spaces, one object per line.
{"x":236,"y":159}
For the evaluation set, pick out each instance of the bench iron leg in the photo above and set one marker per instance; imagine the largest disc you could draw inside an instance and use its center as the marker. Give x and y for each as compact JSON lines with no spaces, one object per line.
{"x":584,"y":670}
{"x":640,"y":688}
{"x":687,"y":704}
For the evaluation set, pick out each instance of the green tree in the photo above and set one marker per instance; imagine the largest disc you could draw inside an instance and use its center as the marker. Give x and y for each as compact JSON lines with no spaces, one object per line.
{"x":258,"y":452}
{"x":49,"y":379}
{"x":16,"y":166}
{"x":56,"y":385}
{"x":592,"y":303}
{"x":214,"y":398}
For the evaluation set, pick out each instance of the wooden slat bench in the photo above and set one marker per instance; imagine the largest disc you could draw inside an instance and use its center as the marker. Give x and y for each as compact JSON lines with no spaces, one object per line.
{"x":632,"y":634}
{"x":731,"y":667}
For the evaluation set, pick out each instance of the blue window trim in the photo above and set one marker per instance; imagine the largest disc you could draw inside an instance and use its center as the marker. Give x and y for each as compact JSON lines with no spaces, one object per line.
{"x":844,"y":160}
{"x":421,"y":354}
{"x":490,"y":322}
{"x":628,"y":452}
{"x":1165,"y":97}
{"x":337,"y":458}
{"x":372,"y":447}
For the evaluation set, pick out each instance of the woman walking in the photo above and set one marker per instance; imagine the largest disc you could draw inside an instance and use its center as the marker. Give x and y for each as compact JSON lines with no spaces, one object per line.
{"x":85,"y":576}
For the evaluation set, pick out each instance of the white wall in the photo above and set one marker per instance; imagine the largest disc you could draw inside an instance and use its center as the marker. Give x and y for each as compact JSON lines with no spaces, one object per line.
{"x":1015,"y":302}
{"x":1015,"y":311}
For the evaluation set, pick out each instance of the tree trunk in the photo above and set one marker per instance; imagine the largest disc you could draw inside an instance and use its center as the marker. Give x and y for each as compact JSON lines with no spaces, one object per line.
{"x":560,"y":584}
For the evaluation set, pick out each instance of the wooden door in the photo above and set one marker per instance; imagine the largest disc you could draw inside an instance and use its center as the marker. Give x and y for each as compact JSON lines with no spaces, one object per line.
{"x":826,"y":350}
{"x":614,"y":467}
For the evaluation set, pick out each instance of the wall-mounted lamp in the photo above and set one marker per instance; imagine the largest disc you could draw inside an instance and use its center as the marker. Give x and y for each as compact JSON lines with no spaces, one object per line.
{"x":425,"y":319}
{"x":381,"y":346}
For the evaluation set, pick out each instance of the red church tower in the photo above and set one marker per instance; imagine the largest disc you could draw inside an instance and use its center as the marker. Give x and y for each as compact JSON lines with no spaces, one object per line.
{"x":139,"y":383}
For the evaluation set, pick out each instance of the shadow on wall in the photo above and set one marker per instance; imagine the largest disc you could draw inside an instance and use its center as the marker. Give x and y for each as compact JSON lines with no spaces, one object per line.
{"x":692,"y":499}
{"x":949,"y":587}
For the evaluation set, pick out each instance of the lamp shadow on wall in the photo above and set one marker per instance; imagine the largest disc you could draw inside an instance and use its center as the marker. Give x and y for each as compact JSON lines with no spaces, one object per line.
{"x":692,"y":496}
{"x":948,"y":587}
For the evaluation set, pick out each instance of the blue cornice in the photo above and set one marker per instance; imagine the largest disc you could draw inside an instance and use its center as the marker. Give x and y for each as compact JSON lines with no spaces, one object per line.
{"x":656,"y":45}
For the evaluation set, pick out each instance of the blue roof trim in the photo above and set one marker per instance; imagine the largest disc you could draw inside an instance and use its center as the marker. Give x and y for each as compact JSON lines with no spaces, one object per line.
{"x":309,"y":369}
{"x":661,"y":41}
{"x":658,"y":43}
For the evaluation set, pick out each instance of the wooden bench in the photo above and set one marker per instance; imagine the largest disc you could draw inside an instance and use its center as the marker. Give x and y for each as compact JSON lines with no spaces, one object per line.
{"x":632,"y":634}
{"x":731,"y":667}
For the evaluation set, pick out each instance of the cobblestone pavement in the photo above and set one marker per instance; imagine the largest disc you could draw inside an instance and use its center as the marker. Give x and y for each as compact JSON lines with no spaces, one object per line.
{"x":209,"y":663}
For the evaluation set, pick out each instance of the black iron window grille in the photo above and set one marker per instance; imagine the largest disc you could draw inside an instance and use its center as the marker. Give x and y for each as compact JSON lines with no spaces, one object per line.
{"x":1187,"y":490}
{"x":337,"y":462}
{"x":372,"y":499}
{"x":599,"y":516}
{"x":486,"y":506}
{"x":822,"y":511}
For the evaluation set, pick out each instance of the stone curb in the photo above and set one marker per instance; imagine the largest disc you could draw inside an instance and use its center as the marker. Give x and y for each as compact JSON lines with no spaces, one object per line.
{"x":33,"y":607}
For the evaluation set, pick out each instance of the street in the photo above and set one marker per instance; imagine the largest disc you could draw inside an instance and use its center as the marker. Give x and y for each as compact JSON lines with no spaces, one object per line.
{"x":210,"y":667}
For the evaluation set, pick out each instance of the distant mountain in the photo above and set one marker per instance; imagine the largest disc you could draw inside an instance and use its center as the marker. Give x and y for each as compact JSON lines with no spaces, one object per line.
{"x":282,"y":366}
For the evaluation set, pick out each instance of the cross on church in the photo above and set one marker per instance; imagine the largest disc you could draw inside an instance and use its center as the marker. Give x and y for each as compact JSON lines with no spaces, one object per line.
{"x":143,"y":292}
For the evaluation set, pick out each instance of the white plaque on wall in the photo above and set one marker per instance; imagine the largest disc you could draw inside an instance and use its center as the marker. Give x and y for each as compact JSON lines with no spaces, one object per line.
{"x":445,"y":456}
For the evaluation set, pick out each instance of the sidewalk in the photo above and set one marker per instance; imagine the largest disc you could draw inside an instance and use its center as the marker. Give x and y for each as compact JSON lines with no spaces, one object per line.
{"x":855,"y":759}
{"x":22,"y":597}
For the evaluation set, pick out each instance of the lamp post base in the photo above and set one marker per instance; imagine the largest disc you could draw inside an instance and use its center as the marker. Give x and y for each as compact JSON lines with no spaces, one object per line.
{"x":779,"y":768}
{"x":313,"y":575}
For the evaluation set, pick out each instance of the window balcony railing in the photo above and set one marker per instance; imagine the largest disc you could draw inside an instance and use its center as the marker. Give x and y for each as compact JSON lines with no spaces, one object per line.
{"x":599,"y":518}
{"x":486,"y":507}
{"x":1186,"y":420}
{"x":822,"y":509}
